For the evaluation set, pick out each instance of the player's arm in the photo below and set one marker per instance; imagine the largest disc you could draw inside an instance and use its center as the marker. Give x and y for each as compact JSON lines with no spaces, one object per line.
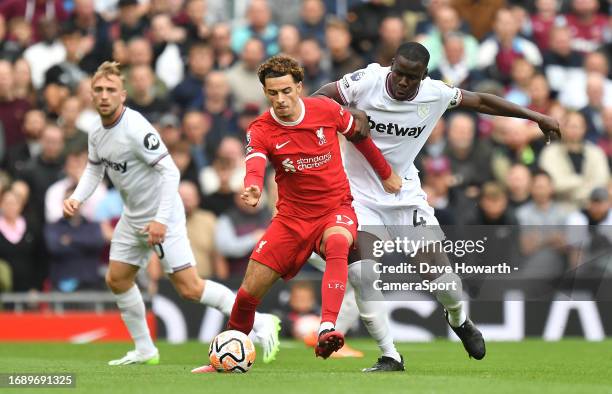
{"x":490,"y":104}
{"x":93,"y":174}
{"x":255,"y":162}
{"x":332,"y":91}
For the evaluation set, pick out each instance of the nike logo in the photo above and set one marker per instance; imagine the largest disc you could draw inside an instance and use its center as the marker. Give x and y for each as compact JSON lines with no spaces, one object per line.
{"x":278,"y":146}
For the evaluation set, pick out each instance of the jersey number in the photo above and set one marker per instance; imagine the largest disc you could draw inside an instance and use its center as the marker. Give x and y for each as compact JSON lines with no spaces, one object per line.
{"x":342,"y":219}
{"x":417,"y":221}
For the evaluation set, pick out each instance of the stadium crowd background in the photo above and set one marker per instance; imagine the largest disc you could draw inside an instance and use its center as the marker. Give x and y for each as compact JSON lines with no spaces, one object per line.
{"x":190,"y":65}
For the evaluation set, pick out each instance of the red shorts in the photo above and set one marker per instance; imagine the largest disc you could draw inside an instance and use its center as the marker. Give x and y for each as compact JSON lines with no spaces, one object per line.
{"x":289,"y":242}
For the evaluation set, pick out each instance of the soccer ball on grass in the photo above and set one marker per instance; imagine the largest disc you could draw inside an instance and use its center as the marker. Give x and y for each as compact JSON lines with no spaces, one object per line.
{"x":231,"y":351}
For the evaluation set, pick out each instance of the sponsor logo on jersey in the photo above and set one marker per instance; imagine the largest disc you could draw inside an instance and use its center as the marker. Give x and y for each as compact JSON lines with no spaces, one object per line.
{"x":321,"y":136}
{"x":456,"y":99}
{"x":120,"y":167}
{"x":279,"y":146}
{"x":151,"y":141}
{"x":357,"y":75}
{"x":288,"y":165}
{"x":395,"y":129}
{"x":345,"y":82}
{"x":308,"y":163}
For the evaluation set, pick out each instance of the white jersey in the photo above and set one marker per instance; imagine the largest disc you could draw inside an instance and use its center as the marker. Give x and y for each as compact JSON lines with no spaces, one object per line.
{"x":398,"y":128}
{"x":129,"y":150}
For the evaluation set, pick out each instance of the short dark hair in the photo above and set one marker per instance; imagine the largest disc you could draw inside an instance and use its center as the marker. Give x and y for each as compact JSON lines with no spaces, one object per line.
{"x":413,"y":51}
{"x":541,"y":172}
{"x":279,"y":66}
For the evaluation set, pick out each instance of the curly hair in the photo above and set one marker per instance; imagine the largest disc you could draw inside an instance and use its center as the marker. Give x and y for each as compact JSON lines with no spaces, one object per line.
{"x":278,"y":66}
{"x":107,"y":69}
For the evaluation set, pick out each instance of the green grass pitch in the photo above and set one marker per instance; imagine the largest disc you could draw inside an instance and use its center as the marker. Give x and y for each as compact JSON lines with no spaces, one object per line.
{"x":532,"y":366}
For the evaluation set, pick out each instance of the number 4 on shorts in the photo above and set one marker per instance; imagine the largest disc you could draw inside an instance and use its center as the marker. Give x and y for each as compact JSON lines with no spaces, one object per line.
{"x":417,"y":221}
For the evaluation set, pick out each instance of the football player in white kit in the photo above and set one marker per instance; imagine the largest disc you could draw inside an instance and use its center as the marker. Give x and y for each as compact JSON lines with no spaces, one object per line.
{"x":403,"y":106}
{"x":140,"y":167}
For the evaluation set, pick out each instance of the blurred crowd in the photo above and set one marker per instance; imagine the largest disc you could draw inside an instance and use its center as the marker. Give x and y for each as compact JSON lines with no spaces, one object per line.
{"x":190,"y":69}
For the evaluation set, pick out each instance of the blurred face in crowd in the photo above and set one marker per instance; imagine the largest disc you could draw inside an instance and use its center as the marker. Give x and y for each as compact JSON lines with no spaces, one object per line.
{"x":518,"y":180}
{"x":284,"y":96}
{"x":195,"y":127}
{"x":142,"y":79}
{"x":437,"y":134}
{"x":513,"y":132}
{"x":84,"y":8}
{"x":453,"y":49}
{"x":108,"y":96}
{"x":196,"y":11}
{"x":2,"y":28}
{"x":34,"y":123}
{"x":161,"y":27}
{"x":539,"y":91}
{"x":337,"y":39}
{"x":54,"y":95}
{"x":585,"y":7}
{"x":22,"y":191}
{"x":546,"y":6}
{"x":258,"y":14}
{"x":200,"y":60}
{"x":139,"y":52}
{"x":505,"y":26}
{"x":301,"y":298}
{"x":84,"y":93}
{"x":575,"y":128}
{"x":522,"y":72}
{"x":494,"y":204}
{"x":6,"y":79}
{"x":189,"y":194}
{"x":288,"y":39}
{"x":181,"y":155}
{"x":596,"y":62}
{"x":75,"y":165}
{"x":21,"y":30}
{"x":595,"y":89}
{"x":170,"y":134}
{"x":310,"y":53}
{"x":231,"y":149}
{"x":560,"y":40}
{"x":392,"y":31}
{"x":221,"y":37}
{"x":22,"y":74}
{"x":406,"y":77}
{"x":312,"y":11}
{"x":217,"y":87}
{"x":129,"y":15}
{"x":447,"y":20}
{"x":11,"y":206}
{"x":72,"y":42}
{"x":70,"y":111}
{"x":48,"y":30}
{"x":542,"y":189}
{"x":52,"y":142}
{"x":598,"y":209}
{"x":253,"y":54}
{"x":461,"y":132}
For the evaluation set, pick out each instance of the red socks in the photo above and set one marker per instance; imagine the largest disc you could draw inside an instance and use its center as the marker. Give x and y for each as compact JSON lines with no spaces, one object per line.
{"x":243,"y":312}
{"x":334,"y":277}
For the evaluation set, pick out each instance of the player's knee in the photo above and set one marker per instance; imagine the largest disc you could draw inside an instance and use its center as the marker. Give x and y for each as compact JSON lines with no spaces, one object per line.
{"x":190,"y":292}
{"x":336,"y":243}
{"x":116,"y":283}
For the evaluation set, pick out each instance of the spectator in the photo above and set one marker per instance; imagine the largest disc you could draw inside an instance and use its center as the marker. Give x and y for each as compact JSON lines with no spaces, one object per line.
{"x":182,"y":157}
{"x":21,"y":245}
{"x":140,"y":53}
{"x":338,"y":41}
{"x":55,"y":91}
{"x":302,"y":310}
{"x":242,"y":76}
{"x":518,"y":184}
{"x":453,"y":68}
{"x":515,"y":147}
{"x":33,"y":12}
{"x":364,"y":21}
{"x":74,"y":166}
{"x":492,"y":207}
{"x":96,"y":44}
{"x":221,"y":40}
{"x":392,"y":33}
{"x":540,"y":95}
{"x":238,"y":231}
{"x":170,"y":130}
{"x":315,"y":73}
{"x":45,"y":169}
{"x":446,"y":22}
{"x":575,"y":165}
{"x":22,"y":81}
{"x":130,"y":22}
{"x":498,"y":52}
{"x":196,"y":128}
{"x":69,"y":68}
{"x":543,"y":21}
{"x":312,"y":23}
{"x":259,"y":26}
{"x":12,"y":109}
{"x":88,"y":115}
{"x":196,"y":28}
{"x":46,"y":53}
{"x":587,"y":25}
{"x":542,"y":210}
{"x":166,"y":39}
{"x":438,"y":180}
{"x":522,"y":73}
{"x":605,"y":141}
{"x":573,"y":93}
{"x":199,"y":63}
{"x":592,"y":112}
{"x":9,"y":48}
{"x":479,"y":15}
{"x":19,"y":154}
{"x":289,"y":41}
{"x":201,"y":228}
{"x":75,"y":248}
{"x":143,"y":98}
{"x":74,"y":138}
{"x":560,"y":60}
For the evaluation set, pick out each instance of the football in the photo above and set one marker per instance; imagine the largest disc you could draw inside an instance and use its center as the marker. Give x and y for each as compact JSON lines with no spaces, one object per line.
{"x":231,"y":351}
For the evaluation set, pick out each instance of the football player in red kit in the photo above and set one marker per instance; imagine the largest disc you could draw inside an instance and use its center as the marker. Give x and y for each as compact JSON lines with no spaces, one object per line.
{"x":299,"y":136}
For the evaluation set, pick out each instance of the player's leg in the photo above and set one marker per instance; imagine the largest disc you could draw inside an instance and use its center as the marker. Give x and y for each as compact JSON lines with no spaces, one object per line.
{"x":120,"y":279}
{"x":371,"y":303}
{"x":193,"y":288}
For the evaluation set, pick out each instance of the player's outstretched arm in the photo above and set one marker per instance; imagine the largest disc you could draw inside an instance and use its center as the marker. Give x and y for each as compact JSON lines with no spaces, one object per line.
{"x":330,"y":90}
{"x":93,"y":174}
{"x":490,"y":104}
{"x":362,"y":129}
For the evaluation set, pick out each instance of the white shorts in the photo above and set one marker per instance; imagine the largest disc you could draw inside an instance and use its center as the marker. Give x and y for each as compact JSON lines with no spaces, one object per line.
{"x":409,"y":216}
{"x":130,"y":246}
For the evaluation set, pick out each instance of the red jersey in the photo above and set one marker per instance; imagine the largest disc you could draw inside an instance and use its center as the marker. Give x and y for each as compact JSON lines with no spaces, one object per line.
{"x":587,"y":37}
{"x":306,"y":156}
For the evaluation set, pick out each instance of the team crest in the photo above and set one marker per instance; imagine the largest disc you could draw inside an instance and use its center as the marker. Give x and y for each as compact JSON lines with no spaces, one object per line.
{"x":423,"y":110}
{"x":321,"y":136}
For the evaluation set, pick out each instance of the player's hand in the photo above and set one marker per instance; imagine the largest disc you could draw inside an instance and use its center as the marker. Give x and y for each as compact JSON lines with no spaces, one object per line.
{"x":362,"y":126}
{"x":71,"y":207}
{"x":156,"y":231}
{"x":550,"y":128}
{"x":250,"y":195}
{"x":393,"y":184}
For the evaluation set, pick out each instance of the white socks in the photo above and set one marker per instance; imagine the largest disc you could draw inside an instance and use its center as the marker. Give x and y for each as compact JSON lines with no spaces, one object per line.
{"x":451,"y":299}
{"x":372,"y":309}
{"x":326,"y":325}
{"x":132,"y":310}
{"x":349,"y":313}
{"x":222,"y":298}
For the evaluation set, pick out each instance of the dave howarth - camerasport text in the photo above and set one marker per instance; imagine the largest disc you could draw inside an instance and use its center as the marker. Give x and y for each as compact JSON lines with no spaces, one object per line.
{"x":425,"y":268}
